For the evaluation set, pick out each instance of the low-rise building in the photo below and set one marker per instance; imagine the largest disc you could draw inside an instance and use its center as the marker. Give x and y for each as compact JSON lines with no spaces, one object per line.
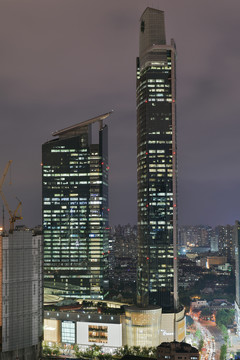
{"x":84,"y":329}
{"x":199,"y":304}
{"x":177,"y":351}
{"x":113,"y":328}
{"x":216,"y":260}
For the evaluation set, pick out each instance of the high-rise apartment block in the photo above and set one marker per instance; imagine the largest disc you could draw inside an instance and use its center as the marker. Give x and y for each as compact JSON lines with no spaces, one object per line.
{"x":156,"y":164}
{"x":214,"y":244}
{"x":198,"y":235}
{"x":219,"y":239}
{"x":75,"y":210}
{"x":225,"y":241}
{"x":21,"y":296}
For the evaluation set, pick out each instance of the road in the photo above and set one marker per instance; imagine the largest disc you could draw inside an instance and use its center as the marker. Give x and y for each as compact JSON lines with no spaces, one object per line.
{"x":213,"y":340}
{"x":210,"y":346}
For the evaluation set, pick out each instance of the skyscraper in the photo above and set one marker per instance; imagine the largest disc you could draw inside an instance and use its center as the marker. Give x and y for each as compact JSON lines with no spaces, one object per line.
{"x":156,"y":164}
{"x":75,"y":210}
{"x":236,"y":235}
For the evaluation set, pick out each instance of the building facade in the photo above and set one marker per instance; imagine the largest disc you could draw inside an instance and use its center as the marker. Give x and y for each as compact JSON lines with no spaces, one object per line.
{"x":156,"y":165}
{"x":225,"y":241}
{"x":134,"y":327}
{"x":21,"y":296}
{"x":198,"y":235}
{"x":237,"y":273}
{"x":75,"y":210}
{"x":150,"y":326}
{"x":83,"y":329}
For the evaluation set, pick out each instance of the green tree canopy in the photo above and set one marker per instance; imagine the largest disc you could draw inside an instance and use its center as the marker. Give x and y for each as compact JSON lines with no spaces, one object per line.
{"x":225,"y":317}
{"x":223,"y":352}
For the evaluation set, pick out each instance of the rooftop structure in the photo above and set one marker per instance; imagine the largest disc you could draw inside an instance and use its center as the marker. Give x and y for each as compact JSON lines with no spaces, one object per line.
{"x":74,"y":129}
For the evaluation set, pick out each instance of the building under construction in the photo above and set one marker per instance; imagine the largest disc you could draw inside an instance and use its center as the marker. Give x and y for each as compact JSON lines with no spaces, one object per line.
{"x":20,"y":296}
{"x":21,"y":288}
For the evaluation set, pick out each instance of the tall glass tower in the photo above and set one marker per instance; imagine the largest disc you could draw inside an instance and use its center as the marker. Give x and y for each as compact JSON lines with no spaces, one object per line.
{"x":156,"y":165}
{"x":75,"y":210}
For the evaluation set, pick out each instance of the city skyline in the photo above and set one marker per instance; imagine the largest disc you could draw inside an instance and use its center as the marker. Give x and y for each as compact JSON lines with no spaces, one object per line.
{"x":50,"y":78}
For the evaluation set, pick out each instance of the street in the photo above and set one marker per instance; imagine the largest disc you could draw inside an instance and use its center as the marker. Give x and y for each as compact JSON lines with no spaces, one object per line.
{"x":212,"y":341}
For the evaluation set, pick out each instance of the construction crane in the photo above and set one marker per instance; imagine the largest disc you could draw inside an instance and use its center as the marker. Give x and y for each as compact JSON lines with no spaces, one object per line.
{"x":17,"y":213}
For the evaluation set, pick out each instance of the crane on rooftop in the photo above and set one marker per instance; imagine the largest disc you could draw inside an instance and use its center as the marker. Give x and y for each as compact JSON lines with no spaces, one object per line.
{"x":17,"y":213}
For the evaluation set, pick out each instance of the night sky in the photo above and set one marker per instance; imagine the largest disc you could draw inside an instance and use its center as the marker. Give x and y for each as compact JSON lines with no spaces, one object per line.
{"x":65,"y":61}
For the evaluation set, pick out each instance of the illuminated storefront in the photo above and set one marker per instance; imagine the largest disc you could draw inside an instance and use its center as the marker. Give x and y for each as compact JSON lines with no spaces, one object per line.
{"x":136,"y":327}
{"x":52,"y":330}
{"x":83,"y":329}
{"x":149,"y":326}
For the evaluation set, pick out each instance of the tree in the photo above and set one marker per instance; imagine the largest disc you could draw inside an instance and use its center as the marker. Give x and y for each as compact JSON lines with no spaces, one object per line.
{"x":224,"y":332}
{"x":135,"y":350}
{"x":104,"y":356}
{"x":46,"y":351}
{"x":206,"y":314}
{"x":56,"y":352}
{"x":223,"y":352}
{"x":153,"y":352}
{"x":92,"y":351}
{"x":144,"y":351}
{"x":225,"y":317}
{"x":55,"y":349}
{"x":200,"y":345}
{"x":198,"y":333}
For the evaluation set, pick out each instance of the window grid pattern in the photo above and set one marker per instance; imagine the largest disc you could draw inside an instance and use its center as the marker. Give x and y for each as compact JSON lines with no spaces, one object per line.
{"x":155,"y":181}
{"x":68,"y":332}
{"x":75,"y":215}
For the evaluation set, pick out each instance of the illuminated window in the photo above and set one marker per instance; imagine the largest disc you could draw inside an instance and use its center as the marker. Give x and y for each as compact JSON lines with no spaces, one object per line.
{"x":98,"y":334}
{"x":68,"y":332}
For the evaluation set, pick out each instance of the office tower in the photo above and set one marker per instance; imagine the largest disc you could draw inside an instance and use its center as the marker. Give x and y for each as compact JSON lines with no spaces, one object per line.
{"x":75,"y":210}
{"x":236,"y":234}
{"x":21,"y":296}
{"x":156,"y":164}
